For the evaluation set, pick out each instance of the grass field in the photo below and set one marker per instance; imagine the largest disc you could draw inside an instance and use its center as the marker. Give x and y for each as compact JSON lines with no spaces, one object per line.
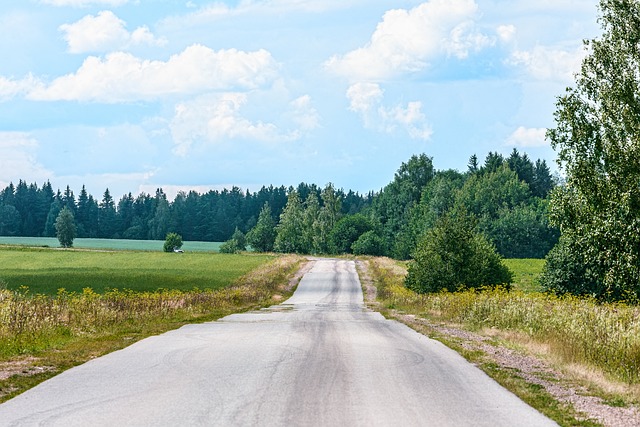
{"x":115,"y":244}
{"x":526,"y":272}
{"x":44,"y":271}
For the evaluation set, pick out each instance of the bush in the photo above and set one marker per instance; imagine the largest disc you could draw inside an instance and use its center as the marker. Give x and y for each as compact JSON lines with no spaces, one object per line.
{"x":452,"y":256}
{"x":172,"y":242}
{"x":566,"y":270}
{"x":231,"y":246}
{"x":368,"y":243}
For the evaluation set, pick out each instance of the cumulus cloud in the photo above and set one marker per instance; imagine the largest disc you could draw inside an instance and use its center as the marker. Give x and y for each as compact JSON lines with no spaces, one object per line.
{"x":546,"y":63}
{"x":367,"y":99}
{"x":10,"y":88}
{"x":84,"y":3}
{"x":122,"y":77}
{"x":105,"y":32}
{"x":217,"y":117}
{"x":18,"y":158}
{"x":527,"y":137}
{"x":406,"y":40}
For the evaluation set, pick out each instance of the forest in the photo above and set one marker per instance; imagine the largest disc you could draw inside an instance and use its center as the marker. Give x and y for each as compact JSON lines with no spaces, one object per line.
{"x":507,"y":196}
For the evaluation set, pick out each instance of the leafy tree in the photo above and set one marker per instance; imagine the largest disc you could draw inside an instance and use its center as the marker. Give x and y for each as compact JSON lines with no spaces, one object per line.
{"x":347,"y":231}
{"x":369,"y":243}
{"x":262,"y":236}
{"x":172,"y":242}
{"x":65,"y":227}
{"x":597,"y":137}
{"x":453,"y":256}
{"x":289,"y":238}
{"x":485,"y":194}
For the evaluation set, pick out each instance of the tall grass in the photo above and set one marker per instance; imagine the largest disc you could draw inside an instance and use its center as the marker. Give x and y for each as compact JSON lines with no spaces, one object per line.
{"x":576,"y":330}
{"x":34,"y":323}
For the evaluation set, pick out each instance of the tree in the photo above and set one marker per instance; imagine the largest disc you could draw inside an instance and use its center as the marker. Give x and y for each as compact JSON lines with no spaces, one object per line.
{"x":65,"y":227}
{"x":597,"y":137}
{"x":172,"y":242}
{"x":453,"y":256}
{"x":262,"y":236}
{"x":347,"y":231}
{"x":289,"y":231}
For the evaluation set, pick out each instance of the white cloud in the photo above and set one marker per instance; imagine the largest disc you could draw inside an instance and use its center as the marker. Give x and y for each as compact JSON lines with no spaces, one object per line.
{"x":84,"y":3}
{"x":18,"y":159}
{"x":304,"y":114}
{"x":406,"y":40}
{"x":10,"y":88}
{"x":122,"y":77}
{"x":366,"y":99}
{"x":528,"y":137}
{"x":546,"y":63}
{"x":212,"y":118}
{"x":506,"y":33}
{"x":105,"y":32}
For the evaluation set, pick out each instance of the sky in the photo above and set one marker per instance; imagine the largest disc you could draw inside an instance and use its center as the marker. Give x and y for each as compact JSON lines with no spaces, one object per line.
{"x":133,"y":95}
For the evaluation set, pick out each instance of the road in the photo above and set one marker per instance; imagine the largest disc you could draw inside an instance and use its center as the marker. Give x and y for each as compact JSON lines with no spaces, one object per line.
{"x":318,"y":359}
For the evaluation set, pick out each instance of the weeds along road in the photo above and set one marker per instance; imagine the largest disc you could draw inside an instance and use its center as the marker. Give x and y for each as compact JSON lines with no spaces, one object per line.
{"x":319,"y":359}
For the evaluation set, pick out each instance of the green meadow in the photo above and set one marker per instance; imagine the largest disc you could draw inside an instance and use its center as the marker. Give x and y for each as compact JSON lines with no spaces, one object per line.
{"x":109,"y":244}
{"x":45,"y":271}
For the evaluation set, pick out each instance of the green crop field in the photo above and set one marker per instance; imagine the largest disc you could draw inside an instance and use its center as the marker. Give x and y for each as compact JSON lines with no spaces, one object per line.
{"x":116,"y":244}
{"x":44,"y":271}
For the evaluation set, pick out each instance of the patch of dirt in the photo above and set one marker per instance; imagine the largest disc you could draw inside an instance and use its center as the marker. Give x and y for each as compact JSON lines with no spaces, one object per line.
{"x":532,"y":369}
{"x":370,"y":290}
{"x":25,"y":367}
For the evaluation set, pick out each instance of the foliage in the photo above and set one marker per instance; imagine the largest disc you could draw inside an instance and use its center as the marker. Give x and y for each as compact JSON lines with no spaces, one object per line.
{"x":597,"y":137}
{"x":263,"y":235}
{"x":172,"y":242}
{"x":369,"y":243}
{"x":575,"y":330}
{"x":347,"y":231}
{"x":65,"y":228}
{"x":236,"y":244}
{"x":27,"y":210}
{"x":453,"y":256}
{"x":289,"y":237}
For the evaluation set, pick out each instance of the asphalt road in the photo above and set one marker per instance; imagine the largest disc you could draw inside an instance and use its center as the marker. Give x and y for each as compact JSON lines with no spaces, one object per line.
{"x":319,"y":359}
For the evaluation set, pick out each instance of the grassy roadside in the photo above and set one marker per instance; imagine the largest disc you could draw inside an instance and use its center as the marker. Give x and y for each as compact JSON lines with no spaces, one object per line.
{"x":41,"y":336}
{"x":574,"y":360}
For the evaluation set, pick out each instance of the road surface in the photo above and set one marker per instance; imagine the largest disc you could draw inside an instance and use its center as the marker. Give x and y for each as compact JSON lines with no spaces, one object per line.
{"x":319,"y":359}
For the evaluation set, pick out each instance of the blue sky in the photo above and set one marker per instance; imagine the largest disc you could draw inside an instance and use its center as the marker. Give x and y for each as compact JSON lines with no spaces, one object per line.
{"x":132,"y":95}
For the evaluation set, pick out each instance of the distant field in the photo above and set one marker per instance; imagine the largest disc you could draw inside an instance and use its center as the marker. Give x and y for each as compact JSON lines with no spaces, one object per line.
{"x":118,"y":244}
{"x":526,"y":273}
{"x":45,"y":271}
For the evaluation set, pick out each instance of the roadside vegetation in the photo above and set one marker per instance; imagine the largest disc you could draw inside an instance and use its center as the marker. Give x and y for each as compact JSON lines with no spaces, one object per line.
{"x":44,"y":333}
{"x":597,"y":344}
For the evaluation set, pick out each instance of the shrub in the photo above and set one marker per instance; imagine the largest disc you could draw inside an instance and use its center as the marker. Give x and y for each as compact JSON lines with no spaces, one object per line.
{"x":368,"y":243}
{"x":452,"y":256}
{"x":172,"y":242}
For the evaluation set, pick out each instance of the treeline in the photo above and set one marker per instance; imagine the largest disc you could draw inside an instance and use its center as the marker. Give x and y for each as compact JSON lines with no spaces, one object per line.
{"x":506,"y":197}
{"x":30,"y":210}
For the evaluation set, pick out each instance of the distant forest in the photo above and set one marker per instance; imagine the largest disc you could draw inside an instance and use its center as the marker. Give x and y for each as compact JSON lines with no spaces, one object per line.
{"x":30,"y":210}
{"x":506,"y":195}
